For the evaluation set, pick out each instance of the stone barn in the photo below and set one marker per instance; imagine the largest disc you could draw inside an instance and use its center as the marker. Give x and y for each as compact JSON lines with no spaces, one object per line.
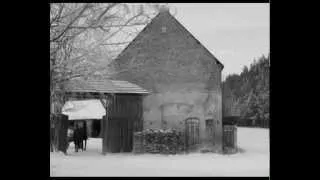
{"x":183,"y":76}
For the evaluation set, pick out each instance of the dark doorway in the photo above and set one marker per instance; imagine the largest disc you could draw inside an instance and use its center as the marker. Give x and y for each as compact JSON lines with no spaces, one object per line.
{"x":96,"y":128}
{"x":209,"y":131}
{"x":71,"y":124}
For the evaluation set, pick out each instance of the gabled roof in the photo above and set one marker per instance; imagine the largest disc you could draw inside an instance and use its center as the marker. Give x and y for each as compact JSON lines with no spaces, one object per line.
{"x":167,"y":15}
{"x":104,"y":86}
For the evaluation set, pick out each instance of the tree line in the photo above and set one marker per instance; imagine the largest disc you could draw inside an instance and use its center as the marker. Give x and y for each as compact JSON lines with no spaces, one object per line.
{"x":249,"y":92}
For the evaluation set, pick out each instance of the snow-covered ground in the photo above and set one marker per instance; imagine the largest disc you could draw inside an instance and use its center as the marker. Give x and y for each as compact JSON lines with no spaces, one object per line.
{"x":253,"y":160}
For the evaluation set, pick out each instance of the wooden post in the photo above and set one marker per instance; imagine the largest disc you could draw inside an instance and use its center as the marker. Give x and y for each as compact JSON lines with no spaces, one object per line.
{"x":235,"y":138}
{"x":104,"y":129}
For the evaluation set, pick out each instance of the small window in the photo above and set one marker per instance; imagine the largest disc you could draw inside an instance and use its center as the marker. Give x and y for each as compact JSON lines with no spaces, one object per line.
{"x":163,"y":29}
{"x":209,"y":122}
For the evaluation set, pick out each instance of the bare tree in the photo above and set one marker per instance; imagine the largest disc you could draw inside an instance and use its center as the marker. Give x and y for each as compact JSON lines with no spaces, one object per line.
{"x":84,"y":38}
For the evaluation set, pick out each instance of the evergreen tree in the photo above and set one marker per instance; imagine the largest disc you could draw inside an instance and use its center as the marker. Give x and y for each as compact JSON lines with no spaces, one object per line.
{"x":250,"y":90}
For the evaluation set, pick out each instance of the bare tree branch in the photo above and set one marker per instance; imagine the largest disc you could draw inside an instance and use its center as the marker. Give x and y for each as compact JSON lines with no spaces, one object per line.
{"x":105,"y":11}
{"x":112,"y":44}
{"x":71,"y":22}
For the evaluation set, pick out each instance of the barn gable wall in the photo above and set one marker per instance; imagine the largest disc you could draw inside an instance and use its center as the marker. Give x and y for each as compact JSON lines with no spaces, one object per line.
{"x":172,"y":56}
{"x":185,"y":80}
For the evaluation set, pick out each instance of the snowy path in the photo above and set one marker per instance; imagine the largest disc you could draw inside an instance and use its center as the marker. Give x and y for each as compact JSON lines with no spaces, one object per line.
{"x":253,"y":161}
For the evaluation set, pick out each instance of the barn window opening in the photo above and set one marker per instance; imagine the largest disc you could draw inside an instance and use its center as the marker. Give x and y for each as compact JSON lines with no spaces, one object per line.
{"x":71,"y":124}
{"x":163,"y":29}
{"x":96,"y":128}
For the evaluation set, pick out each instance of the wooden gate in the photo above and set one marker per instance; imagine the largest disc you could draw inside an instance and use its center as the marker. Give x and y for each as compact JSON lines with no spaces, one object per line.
{"x":119,"y":135}
{"x":210,"y":130}
{"x":230,"y":138}
{"x":124,"y":117}
{"x":192,"y":136}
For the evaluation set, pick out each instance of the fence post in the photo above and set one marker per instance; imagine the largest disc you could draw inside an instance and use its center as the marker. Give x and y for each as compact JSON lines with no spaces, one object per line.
{"x":104,"y":129}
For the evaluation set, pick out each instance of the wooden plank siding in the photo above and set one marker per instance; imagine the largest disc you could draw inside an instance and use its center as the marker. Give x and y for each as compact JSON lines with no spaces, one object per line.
{"x":124,"y":118}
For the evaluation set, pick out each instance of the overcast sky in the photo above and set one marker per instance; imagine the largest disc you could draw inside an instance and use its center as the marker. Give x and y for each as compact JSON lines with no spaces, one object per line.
{"x":234,"y":33}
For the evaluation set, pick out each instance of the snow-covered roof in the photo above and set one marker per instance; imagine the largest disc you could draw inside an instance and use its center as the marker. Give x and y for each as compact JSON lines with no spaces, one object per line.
{"x":84,"y":109}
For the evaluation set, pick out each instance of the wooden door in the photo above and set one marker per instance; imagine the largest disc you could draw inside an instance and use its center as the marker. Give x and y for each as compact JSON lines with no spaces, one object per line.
{"x":210,"y":130}
{"x":115,"y":135}
{"x":123,"y":112}
{"x":110,"y":135}
{"x":126,"y":130}
{"x":192,"y":136}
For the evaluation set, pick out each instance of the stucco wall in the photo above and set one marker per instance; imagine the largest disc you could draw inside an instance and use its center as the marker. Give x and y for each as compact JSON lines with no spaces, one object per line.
{"x":175,"y":103}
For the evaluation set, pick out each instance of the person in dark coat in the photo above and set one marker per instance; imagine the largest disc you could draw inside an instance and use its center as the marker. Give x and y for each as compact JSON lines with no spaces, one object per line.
{"x":81,"y":136}
{"x":84,"y":136}
{"x":77,"y":137}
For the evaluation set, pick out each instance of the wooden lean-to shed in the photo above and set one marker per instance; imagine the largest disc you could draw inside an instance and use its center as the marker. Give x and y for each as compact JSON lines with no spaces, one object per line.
{"x":123,"y":103}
